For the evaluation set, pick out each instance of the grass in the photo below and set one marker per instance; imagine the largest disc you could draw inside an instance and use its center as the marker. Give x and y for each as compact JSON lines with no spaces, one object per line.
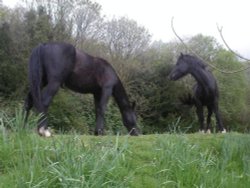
{"x":160,"y":160}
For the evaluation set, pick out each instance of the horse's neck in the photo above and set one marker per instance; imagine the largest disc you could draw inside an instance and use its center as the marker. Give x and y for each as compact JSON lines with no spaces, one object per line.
{"x":123,"y":103}
{"x":124,"y":106}
{"x":202,"y":76}
{"x":121,"y":97}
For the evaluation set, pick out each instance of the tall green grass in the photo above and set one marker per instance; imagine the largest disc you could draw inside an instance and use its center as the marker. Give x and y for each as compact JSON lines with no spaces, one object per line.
{"x":167,"y":160}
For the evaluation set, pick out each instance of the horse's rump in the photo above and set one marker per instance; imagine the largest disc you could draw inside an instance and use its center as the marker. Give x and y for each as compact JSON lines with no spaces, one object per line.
{"x":50,"y":62}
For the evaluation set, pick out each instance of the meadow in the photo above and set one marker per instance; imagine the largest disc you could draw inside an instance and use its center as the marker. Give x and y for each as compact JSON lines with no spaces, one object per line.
{"x":156,"y":160}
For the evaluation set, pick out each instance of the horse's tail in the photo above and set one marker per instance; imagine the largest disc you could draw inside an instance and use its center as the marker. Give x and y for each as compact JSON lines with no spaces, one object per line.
{"x":35,"y":77}
{"x":187,"y":100}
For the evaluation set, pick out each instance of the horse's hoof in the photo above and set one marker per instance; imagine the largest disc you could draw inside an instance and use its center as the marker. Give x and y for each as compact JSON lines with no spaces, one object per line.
{"x":133,"y":132}
{"x":208,"y":131}
{"x":201,"y":131}
{"x":44,"y":132}
{"x":99,"y":132}
{"x":224,"y":131}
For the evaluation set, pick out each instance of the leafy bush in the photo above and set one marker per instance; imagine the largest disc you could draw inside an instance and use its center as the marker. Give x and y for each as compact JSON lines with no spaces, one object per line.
{"x":233,"y":92}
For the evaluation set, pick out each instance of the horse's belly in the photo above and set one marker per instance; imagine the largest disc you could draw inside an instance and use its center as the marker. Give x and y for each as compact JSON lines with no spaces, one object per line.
{"x":207,"y":100}
{"x":81,"y":89}
{"x":81,"y":85}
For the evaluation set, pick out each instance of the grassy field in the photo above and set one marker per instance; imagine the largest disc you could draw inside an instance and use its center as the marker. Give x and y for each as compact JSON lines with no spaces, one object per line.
{"x":166,"y":160}
{"x":159,"y":160}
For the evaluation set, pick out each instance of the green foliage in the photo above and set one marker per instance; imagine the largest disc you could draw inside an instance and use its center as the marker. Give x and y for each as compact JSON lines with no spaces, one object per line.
{"x":167,"y":160}
{"x":233,"y":88}
{"x":70,"y":112}
{"x":12,"y":82}
{"x":206,"y":46}
{"x":38,"y":26}
{"x":12,"y":77}
{"x":153,"y":92}
{"x":76,"y":112}
{"x":126,"y":39}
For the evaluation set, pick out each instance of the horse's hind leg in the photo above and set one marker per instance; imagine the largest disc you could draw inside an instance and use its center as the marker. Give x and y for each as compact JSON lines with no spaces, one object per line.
{"x":47,"y":95}
{"x":209,"y":114}
{"x":101,"y":100}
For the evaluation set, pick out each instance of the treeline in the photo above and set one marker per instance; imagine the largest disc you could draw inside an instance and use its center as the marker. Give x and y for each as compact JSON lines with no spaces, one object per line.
{"x":142,"y":64}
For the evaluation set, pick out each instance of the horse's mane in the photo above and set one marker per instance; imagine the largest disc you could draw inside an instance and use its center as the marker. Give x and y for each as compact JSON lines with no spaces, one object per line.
{"x":195,"y":60}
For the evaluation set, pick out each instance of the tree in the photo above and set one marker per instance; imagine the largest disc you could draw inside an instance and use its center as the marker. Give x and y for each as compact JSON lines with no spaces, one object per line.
{"x":205,"y":46}
{"x":126,"y":39}
{"x":43,"y":27}
{"x":5,"y":42}
{"x":11,"y":74}
{"x":233,"y":88}
{"x":73,"y":21}
{"x":88,"y":22}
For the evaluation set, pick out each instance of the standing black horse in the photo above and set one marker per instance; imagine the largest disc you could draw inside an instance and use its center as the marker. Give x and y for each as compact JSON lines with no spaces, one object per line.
{"x":205,"y":90}
{"x":52,"y":65}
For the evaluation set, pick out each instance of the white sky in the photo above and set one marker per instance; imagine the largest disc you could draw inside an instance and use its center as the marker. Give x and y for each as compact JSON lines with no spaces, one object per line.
{"x":191,"y":17}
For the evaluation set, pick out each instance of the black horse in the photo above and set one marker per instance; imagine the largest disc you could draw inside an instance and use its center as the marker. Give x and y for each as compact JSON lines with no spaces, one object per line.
{"x":53,"y":65}
{"x":205,"y":90}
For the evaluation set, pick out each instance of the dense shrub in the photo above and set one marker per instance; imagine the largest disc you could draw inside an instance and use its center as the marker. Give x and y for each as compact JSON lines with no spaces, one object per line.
{"x":233,"y":92}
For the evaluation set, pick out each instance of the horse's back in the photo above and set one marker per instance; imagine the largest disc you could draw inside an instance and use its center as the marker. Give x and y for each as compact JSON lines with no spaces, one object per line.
{"x":106,"y":74}
{"x":58,"y":54}
{"x":91,"y":73}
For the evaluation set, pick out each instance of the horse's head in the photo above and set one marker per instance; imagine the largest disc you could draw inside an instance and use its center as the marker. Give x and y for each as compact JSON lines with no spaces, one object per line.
{"x":180,"y":69}
{"x":129,"y":120}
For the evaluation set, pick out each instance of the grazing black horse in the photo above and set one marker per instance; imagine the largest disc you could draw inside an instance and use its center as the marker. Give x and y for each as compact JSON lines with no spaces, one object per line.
{"x":205,"y":90}
{"x":52,"y":65}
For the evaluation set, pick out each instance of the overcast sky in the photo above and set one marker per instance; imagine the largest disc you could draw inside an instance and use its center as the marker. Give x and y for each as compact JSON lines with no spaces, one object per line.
{"x":191,"y":17}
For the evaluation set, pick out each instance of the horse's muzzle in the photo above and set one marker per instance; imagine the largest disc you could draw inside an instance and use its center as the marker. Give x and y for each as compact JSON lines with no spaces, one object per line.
{"x":171,"y":76}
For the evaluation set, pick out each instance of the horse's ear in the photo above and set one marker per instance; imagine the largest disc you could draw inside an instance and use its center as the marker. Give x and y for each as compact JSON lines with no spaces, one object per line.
{"x":181,"y":55}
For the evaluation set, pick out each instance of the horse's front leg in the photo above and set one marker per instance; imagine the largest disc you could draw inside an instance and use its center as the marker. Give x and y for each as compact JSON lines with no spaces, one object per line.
{"x":218,"y":119}
{"x":101,"y":100}
{"x":200,"y":114}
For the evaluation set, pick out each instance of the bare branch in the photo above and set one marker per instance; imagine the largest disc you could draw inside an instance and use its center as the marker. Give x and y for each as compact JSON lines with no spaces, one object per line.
{"x":194,"y":53}
{"x":230,"y":49}
{"x":184,"y":44}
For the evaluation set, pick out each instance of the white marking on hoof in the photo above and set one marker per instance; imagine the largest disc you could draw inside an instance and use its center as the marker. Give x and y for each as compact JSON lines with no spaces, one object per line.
{"x":44,"y":132}
{"x":201,"y":131}
{"x":224,"y":131}
{"x":133,"y":132}
{"x":208,"y":131}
